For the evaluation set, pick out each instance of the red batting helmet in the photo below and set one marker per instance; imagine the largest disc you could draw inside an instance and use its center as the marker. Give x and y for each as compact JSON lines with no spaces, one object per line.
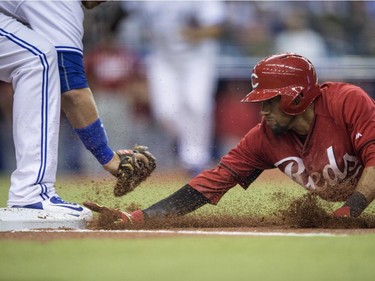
{"x":289,"y":75}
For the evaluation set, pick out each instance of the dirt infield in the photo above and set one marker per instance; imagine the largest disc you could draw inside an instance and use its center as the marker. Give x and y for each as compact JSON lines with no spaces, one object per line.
{"x":203,"y":226}
{"x":303,"y":217}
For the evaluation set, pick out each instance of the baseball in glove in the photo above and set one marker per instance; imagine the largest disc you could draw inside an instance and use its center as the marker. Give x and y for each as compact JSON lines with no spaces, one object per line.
{"x":136,"y":166}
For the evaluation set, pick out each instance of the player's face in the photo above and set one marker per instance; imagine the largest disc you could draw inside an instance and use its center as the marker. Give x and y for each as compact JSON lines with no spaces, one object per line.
{"x":278,"y":121}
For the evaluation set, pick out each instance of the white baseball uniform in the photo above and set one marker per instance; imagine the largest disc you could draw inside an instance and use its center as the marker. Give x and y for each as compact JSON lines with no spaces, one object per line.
{"x":182,"y":75}
{"x":48,"y":18}
{"x":29,"y":62}
{"x":61,"y":22}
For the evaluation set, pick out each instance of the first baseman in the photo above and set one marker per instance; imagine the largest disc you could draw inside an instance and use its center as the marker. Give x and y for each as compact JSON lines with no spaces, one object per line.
{"x":321,"y":135}
{"x":61,"y":23}
{"x":29,"y":62}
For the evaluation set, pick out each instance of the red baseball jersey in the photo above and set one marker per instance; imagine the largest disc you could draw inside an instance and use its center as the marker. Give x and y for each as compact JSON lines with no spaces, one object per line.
{"x":340,"y":143}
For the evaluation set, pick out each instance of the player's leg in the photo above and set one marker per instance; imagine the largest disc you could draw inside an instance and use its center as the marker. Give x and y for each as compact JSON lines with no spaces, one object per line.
{"x":165,"y":103}
{"x":196,"y":121}
{"x":31,"y":67}
{"x":30,"y":63}
{"x":165,"y":93}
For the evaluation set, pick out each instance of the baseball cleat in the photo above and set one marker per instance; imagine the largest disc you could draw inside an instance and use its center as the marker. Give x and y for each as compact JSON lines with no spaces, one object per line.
{"x":57,"y":205}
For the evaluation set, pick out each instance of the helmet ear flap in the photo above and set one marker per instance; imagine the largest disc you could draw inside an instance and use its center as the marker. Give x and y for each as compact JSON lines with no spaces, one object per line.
{"x":298,"y":99}
{"x":299,"y":104}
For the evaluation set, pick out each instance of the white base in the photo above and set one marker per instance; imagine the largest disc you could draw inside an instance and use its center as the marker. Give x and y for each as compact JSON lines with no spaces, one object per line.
{"x":23,"y":219}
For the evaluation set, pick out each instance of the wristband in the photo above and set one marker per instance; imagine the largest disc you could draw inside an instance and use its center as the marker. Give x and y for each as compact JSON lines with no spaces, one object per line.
{"x":95,"y":140}
{"x":137,"y":218}
{"x":343,"y":212}
{"x":357,"y":202}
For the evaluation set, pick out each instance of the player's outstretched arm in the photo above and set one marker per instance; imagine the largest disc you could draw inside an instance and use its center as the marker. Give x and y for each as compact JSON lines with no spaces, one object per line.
{"x":183,"y":201}
{"x":364,"y":194}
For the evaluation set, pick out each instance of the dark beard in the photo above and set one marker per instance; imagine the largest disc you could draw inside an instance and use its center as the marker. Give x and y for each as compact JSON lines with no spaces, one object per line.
{"x":279,"y":130}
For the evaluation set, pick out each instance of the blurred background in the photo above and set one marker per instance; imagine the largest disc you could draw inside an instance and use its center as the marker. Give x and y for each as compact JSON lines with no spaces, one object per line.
{"x":337,"y":36}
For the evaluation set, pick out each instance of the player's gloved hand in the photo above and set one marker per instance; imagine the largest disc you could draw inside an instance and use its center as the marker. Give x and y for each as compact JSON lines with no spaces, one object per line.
{"x":136,"y":165}
{"x":117,"y":217}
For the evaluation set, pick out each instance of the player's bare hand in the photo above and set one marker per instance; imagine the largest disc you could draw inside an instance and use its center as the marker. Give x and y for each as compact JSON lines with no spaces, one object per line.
{"x":114,"y":218}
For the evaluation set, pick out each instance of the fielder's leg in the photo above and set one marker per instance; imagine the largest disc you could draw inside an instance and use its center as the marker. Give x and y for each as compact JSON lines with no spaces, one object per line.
{"x":30,"y":63}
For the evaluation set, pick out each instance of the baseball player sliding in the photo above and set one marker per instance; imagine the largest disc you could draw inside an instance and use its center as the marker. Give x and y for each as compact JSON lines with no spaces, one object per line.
{"x":321,"y":136}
